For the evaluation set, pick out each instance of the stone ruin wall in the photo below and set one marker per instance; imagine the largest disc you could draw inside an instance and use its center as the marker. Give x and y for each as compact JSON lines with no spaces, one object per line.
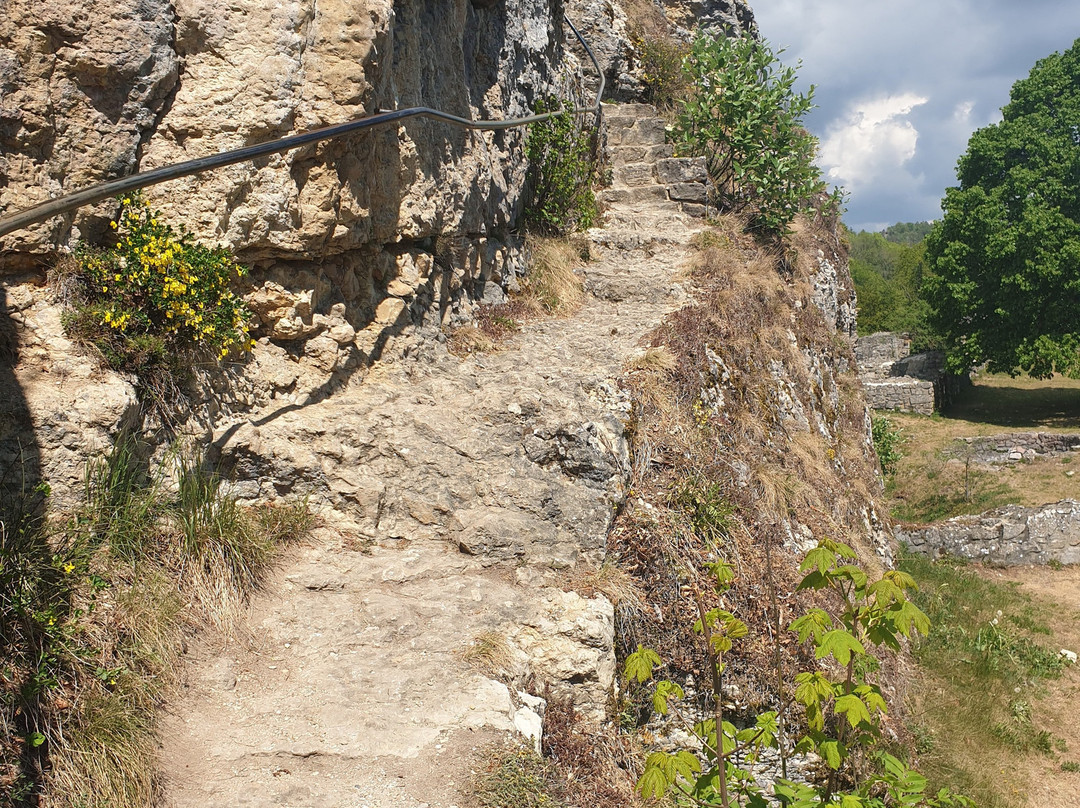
{"x":1008,"y":536}
{"x":896,"y":379}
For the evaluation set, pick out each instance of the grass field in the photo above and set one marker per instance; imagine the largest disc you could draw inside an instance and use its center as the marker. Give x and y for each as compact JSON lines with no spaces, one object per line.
{"x":989,"y":703}
{"x":933,"y":482}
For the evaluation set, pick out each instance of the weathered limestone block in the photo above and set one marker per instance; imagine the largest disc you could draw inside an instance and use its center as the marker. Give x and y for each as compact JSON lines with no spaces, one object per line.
{"x":569,"y":642}
{"x":57,"y":409}
{"x":85,"y":99}
{"x":835,"y":298}
{"x":1012,"y":447}
{"x":688,"y":192}
{"x":877,"y":353}
{"x":681,"y":169}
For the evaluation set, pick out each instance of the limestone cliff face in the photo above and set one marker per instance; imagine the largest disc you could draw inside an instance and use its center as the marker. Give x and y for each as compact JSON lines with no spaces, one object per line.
{"x":98,"y":93}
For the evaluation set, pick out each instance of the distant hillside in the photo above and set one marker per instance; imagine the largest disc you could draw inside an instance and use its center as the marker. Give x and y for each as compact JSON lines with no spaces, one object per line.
{"x":888,"y":269}
{"x":908,"y":233}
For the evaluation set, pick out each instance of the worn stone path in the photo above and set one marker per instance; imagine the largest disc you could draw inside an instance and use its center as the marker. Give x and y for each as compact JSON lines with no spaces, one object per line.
{"x":455,"y":491}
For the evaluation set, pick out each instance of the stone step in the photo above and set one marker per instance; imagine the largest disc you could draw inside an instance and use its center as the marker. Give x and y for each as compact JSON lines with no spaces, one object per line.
{"x":634,"y":175}
{"x":620,"y":114}
{"x":633,"y":196}
{"x":622,"y":155}
{"x":670,"y":170}
{"x":644,"y":132}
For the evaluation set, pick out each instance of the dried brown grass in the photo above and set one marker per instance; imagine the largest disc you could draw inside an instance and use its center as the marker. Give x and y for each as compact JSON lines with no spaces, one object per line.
{"x":727,"y":413}
{"x":657,"y":358}
{"x":490,"y":653}
{"x":551,"y":288}
{"x":597,"y":767}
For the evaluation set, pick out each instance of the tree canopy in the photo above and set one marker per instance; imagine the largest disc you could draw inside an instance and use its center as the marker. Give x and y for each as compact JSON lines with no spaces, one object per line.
{"x":888,"y":275}
{"x":1005,"y":259}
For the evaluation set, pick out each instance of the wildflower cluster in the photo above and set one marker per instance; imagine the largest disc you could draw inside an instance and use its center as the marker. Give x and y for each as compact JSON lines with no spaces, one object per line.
{"x":159,"y":284}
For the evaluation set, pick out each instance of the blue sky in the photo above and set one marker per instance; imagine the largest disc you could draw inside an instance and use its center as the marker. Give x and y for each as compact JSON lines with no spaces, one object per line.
{"x":902,"y":85}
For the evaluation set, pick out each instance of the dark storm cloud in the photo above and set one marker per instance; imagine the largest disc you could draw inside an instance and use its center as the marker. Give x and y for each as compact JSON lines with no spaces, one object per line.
{"x":902,"y":85}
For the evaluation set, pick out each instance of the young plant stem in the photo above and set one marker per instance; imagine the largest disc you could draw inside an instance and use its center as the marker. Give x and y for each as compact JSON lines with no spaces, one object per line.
{"x":718,"y":695}
{"x":774,"y":604}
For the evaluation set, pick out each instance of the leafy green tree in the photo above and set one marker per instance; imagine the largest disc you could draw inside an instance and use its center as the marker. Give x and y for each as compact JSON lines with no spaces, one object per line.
{"x":745,"y":117}
{"x":1005,"y":260}
{"x":888,"y":277}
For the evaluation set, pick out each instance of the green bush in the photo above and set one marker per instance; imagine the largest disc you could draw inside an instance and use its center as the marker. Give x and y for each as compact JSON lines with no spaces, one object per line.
{"x":745,"y":117}
{"x":660,"y":59}
{"x":887,"y":441}
{"x":157,"y":301}
{"x":562,"y":167}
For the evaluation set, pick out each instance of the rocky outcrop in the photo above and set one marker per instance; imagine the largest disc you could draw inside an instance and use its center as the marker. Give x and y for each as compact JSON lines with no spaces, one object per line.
{"x":98,"y":94}
{"x":84,"y":88}
{"x":57,"y":407}
{"x":724,"y":16}
{"x":1010,"y":535}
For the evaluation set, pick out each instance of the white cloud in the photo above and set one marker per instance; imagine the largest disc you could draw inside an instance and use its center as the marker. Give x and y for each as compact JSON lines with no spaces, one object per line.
{"x":871,"y":141}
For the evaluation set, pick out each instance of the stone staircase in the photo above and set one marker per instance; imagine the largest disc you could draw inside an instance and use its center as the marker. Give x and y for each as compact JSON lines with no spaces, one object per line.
{"x":644,"y":169}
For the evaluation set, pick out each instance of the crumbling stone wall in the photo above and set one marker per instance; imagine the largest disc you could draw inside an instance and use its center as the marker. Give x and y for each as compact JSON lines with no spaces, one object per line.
{"x":1009,"y":535}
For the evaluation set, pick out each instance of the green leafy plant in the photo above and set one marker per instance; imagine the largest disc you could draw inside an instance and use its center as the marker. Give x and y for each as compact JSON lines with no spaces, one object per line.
{"x":157,"y":300}
{"x":562,"y":167}
{"x":745,"y":117}
{"x":887,"y":439}
{"x":1005,"y":258}
{"x":843,"y":710}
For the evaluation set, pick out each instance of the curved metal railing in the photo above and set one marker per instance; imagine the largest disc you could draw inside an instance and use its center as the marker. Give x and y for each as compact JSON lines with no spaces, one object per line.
{"x":133,"y":182}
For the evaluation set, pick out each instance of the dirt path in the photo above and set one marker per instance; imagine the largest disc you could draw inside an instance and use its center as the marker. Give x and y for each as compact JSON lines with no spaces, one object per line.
{"x":461,"y":486}
{"x":1059,"y":709}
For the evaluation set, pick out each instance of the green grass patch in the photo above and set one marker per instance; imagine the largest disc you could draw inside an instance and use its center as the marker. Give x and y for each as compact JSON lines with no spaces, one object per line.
{"x":935,"y":478}
{"x":1021,"y":403}
{"x":979,"y":670}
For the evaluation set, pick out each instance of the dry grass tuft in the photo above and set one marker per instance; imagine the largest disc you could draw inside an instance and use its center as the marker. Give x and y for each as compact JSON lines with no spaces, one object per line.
{"x":552,"y":285}
{"x":609,"y":580}
{"x":598,"y":767}
{"x":654,"y":359}
{"x":469,"y":339}
{"x":552,"y":288}
{"x":491,"y":654}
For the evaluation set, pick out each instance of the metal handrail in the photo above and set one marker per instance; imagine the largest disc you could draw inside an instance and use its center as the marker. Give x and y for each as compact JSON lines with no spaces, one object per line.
{"x":133,"y":182}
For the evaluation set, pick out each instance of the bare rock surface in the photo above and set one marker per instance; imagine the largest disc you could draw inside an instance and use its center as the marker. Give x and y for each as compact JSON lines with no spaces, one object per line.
{"x":58,"y":408}
{"x":452,"y":490}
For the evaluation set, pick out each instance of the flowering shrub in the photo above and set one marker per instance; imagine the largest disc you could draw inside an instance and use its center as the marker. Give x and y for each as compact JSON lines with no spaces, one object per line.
{"x":157,"y":300}
{"x":158,"y":281}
